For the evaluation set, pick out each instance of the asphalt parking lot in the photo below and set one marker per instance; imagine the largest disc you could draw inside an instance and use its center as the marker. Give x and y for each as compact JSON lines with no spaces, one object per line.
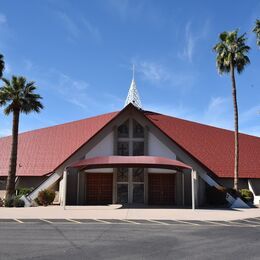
{"x":128,"y":239}
{"x":250,"y":222}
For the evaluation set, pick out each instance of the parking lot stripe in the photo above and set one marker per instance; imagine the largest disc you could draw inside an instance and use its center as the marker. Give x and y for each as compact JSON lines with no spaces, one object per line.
{"x":73,"y":220}
{"x":186,"y":222}
{"x":216,"y":223}
{"x":158,"y":222}
{"x":45,"y":220}
{"x":242,"y":223}
{"x":130,"y":221}
{"x":252,"y":222}
{"x":19,"y":221}
{"x":102,"y":221}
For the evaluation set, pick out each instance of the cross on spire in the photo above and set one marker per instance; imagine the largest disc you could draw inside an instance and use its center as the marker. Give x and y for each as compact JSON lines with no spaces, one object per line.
{"x":133,"y":94}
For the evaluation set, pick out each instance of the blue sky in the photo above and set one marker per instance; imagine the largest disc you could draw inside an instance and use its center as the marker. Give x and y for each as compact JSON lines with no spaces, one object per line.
{"x":80,"y":55}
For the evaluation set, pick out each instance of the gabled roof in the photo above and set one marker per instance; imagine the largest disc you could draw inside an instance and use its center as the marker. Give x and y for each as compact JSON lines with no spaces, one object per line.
{"x":42,"y":151}
{"x":212,"y":146}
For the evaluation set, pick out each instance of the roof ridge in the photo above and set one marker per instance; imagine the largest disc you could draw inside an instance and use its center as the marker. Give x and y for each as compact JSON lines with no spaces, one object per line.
{"x":62,"y":124}
{"x":198,"y":123}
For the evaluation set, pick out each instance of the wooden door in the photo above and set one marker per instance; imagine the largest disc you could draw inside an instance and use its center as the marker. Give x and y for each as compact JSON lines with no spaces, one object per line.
{"x":99,"y":188}
{"x":161,"y":190}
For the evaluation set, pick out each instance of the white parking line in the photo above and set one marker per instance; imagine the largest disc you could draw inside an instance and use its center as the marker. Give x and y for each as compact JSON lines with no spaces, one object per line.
{"x":74,"y":221}
{"x":251,"y":222}
{"x":102,"y":221}
{"x":130,"y":221}
{"x":239,"y":224}
{"x":158,"y":222}
{"x":45,"y":220}
{"x":184,"y":222}
{"x":19,"y":221}
{"x":216,"y":223}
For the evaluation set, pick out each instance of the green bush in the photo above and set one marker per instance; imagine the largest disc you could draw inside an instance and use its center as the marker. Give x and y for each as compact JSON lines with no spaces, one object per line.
{"x":46,"y":197}
{"x":246,"y":195}
{"x":1,"y":203}
{"x":14,"y":201}
{"x":18,"y":202}
{"x":24,"y":191}
{"x":9,"y":203}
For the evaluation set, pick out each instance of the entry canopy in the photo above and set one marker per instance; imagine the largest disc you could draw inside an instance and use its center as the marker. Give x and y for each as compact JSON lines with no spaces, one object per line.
{"x":130,"y":162}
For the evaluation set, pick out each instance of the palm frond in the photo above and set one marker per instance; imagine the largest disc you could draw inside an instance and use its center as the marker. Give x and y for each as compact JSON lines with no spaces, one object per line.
{"x":231,"y":50}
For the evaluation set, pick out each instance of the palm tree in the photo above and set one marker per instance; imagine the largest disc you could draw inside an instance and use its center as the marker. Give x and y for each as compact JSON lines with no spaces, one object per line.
{"x":256,"y":30}
{"x":18,"y":97}
{"x":232,"y":55}
{"x":2,"y":65}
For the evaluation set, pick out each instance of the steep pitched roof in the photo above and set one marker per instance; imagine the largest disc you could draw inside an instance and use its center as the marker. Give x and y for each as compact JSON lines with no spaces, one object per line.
{"x":41,"y":151}
{"x":213,"y":147}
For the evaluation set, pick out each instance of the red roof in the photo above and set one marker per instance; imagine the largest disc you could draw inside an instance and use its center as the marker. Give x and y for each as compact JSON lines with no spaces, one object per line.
{"x":41,"y":151}
{"x":212,"y":146}
{"x":129,"y":161}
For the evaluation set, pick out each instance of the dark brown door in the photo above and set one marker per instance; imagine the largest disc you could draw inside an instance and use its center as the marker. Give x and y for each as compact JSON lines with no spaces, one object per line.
{"x":99,"y":188}
{"x":161,"y":189}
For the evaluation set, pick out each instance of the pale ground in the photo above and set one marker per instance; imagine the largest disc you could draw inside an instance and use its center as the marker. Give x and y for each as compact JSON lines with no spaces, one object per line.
{"x":116,"y":212}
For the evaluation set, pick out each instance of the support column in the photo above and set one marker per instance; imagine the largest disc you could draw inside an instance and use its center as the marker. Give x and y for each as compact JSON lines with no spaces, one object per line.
{"x":193,"y":189}
{"x":183,"y":188}
{"x":64,"y":188}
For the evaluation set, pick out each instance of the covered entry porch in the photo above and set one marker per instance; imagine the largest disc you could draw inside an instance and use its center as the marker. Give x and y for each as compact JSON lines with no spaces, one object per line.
{"x":147,"y":180}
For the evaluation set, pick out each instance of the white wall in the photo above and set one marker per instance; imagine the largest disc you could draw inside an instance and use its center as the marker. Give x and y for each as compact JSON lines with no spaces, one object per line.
{"x":157,"y":148}
{"x":103,"y":148}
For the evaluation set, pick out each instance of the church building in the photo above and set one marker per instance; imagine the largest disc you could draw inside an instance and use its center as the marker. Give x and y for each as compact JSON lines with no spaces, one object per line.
{"x":132,"y":157}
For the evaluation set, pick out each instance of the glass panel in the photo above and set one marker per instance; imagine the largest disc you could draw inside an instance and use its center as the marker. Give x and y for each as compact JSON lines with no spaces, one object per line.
{"x":138,"y":175}
{"x":138,"y":193}
{"x":122,"y":175}
{"x":123,"y":148}
{"x":138,"y":148}
{"x":123,"y":130}
{"x":122,"y":193}
{"x":138,"y":130}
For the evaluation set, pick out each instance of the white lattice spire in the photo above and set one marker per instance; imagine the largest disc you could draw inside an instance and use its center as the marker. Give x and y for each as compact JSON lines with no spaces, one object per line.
{"x":133,"y":95}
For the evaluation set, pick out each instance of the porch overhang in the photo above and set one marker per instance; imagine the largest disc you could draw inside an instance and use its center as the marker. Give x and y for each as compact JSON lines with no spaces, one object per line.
{"x":130,"y":162}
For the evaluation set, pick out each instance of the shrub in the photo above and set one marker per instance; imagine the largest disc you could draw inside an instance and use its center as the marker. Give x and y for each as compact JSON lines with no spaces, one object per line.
{"x":14,"y":201}
{"x":246,"y":195}
{"x":9,"y":203}
{"x":18,"y":202}
{"x":1,"y":203}
{"x":46,"y":197}
{"x":24,"y":191}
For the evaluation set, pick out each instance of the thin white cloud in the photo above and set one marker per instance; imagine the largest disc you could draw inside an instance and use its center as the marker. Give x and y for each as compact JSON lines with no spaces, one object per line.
{"x":127,"y":9}
{"x":3,"y":19}
{"x":93,"y":30}
{"x":78,"y":27}
{"x":249,"y":114}
{"x":160,"y":75}
{"x":191,"y":39}
{"x":152,"y":71}
{"x":69,"y":24}
{"x":187,"y":53}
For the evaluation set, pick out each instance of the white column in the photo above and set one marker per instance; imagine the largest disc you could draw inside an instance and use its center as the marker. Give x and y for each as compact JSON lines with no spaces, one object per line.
{"x":183,"y":189}
{"x":64,"y":188}
{"x":193,"y":189}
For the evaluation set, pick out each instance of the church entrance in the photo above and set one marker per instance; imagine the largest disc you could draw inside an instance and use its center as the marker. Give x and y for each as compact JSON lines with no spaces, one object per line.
{"x":99,"y":188}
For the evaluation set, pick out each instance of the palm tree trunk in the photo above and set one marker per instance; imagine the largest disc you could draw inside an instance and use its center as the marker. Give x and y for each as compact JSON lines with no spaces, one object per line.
{"x":10,"y":186}
{"x":234,"y":94}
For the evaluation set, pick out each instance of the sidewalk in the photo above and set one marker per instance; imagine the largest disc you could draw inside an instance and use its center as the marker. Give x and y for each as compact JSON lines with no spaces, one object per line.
{"x":115,"y":212}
